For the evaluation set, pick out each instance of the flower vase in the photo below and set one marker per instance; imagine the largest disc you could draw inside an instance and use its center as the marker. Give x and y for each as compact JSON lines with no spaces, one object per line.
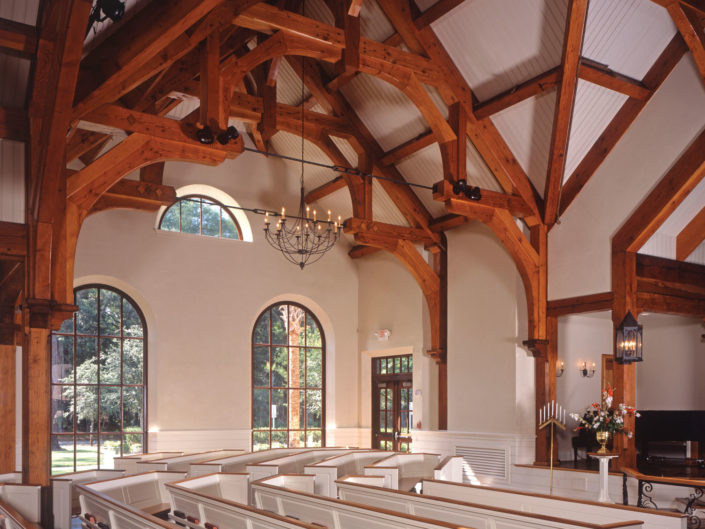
{"x":602,"y":438}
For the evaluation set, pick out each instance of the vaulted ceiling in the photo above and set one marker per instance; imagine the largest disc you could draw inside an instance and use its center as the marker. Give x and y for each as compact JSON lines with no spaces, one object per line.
{"x":524,"y":99}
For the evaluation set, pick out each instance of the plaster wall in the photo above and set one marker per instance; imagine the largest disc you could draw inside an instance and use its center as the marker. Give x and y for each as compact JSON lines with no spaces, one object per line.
{"x":202,"y":296}
{"x":579,"y":248}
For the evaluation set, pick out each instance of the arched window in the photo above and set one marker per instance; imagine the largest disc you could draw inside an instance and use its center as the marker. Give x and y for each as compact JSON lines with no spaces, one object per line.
{"x":200,"y":215}
{"x":98,"y":374}
{"x":288,"y":378}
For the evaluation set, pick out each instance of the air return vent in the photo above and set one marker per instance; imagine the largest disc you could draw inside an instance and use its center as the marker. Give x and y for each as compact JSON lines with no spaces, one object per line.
{"x":484,"y":461}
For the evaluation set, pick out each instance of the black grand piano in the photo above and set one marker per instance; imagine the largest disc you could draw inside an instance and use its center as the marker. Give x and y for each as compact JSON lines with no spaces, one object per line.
{"x":658,"y":427}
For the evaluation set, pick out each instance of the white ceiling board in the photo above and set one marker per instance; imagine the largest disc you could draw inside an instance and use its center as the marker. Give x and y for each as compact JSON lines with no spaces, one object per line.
{"x":337,"y":202}
{"x":390,"y":116}
{"x":383,"y":207}
{"x":684,"y":213}
{"x":497,"y":44}
{"x":289,"y":85}
{"x":290,"y":145}
{"x":24,"y":11}
{"x":698,"y":255}
{"x":425,"y":167}
{"x":526,"y":128}
{"x":627,"y":35}
{"x":478,"y":173}
{"x":593,"y":110}
{"x":374,"y":23}
{"x":184,"y":108}
{"x":347,"y":150}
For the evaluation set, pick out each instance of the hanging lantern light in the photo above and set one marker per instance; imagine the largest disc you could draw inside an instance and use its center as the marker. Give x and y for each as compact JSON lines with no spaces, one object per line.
{"x":629,"y":345}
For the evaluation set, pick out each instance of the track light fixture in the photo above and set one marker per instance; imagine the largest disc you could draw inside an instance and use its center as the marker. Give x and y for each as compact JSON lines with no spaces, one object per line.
{"x":112,"y":9}
{"x":205,"y":135}
{"x":228,"y":134}
{"x":461,"y":187}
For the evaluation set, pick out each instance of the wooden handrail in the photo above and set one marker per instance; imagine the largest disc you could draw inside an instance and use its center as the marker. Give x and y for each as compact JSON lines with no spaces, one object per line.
{"x":686,"y":482}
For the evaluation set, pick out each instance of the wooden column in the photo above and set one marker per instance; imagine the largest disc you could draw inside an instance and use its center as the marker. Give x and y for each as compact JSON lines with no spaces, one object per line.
{"x":36,"y":407}
{"x":7,"y":408}
{"x":440,"y":267}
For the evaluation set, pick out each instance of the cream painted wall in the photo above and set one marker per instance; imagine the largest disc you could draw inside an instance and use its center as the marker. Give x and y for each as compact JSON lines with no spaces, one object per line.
{"x":202,"y":296}
{"x":579,"y":247}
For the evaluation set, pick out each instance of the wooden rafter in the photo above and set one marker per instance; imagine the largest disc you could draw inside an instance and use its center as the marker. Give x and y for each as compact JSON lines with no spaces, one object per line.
{"x":565,"y":103}
{"x":603,"y":76}
{"x":691,"y":29}
{"x":18,"y":38}
{"x":408,"y":148}
{"x":325,"y":189}
{"x":14,"y":124}
{"x":133,"y":194}
{"x":391,"y":231}
{"x":514,"y":204}
{"x":691,"y":236}
{"x":621,"y":122}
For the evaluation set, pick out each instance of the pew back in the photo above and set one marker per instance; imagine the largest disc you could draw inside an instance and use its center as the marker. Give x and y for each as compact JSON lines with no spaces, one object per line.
{"x":128,"y":464}
{"x":449,"y":469}
{"x":290,"y":464}
{"x":232,"y":487}
{"x":25,"y":499}
{"x":11,"y":477}
{"x":238,"y":463}
{"x":98,"y":508}
{"x":64,"y":496}
{"x":11,"y":519}
{"x":553,"y":505}
{"x":182,"y":463}
{"x":140,"y":491}
{"x":467,"y":514}
{"x":331,"y":468}
{"x":403,"y":471}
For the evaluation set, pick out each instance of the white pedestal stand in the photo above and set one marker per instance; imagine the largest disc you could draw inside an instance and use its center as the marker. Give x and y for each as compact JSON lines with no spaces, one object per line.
{"x":604,"y":474}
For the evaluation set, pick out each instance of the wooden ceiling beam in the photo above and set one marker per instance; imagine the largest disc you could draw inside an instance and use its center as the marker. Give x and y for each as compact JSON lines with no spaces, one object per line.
{"x":360,"y":250}
{"x":664,"y":198}
{"x":602,"y":76}
{"x":355,"y":6}
{"x":621,"y":122}
{"x":579,"y":304}
{"x":18,"y":38}
{"x":514,"y":204}
{"x":14,"y":124}
{"x":565,"y":104}
{"x":82,"y":141}
{"x":691,"y":29}
{"x":325,"y":189}
{"x":152,"y":174}
{"x":447,"y":222}
{"x":408,"y":148}
{"x":212,"y":106}
{"x":691,"y":236}
{"x":13,"y":239}
{"x":380,"y":229}
{"x":133,"y":194}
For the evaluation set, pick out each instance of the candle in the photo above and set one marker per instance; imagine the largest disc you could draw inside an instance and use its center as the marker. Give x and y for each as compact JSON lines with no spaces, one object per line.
{"x":308,"y":211}
{"x":266,"y":217}
{"x":283,"y":213}
{"x":328,"y":215}
{"x":314,"y":215}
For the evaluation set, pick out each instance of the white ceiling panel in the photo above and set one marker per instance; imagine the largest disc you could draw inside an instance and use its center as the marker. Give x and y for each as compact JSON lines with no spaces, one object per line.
{"x":383,"y":207}
{"x":24,"y":11}
{"x":290,"y":145}
{"x":425,"y":167}
{"x":691,"y":206}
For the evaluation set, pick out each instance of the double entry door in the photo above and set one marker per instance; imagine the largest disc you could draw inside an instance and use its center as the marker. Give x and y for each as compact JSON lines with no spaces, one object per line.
{"x":392,"y":409}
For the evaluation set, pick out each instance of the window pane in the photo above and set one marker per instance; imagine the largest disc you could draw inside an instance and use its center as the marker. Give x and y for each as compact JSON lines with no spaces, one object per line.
{"x":314,"y":369}
{"x":314,"y":438}
{"x":132,"y":361}
{"x":297,"y":438}
{"x":132,"y":408}
{"x":228,"y":226}
{"x":109,"y":449}
{"x":262,"y":329}
{"x":110,"y":409}
{"x":61,"y":409}
{"x":279,"y":439}
{"x":314,"y":406}
{"x":297,"y":321}
{"x":67,"y":326}
{"x":61,"y":454}
{"x":211,"y":220}
{"x":279,"y":410}
{"x":131,"y":323}
{"x":295,"y":372}
{"x":110,"y":303}
{"x":86,"y":409}
{"x":191,"y":215}
{"x":86,"y":452}
{"x":170,"y":220}
{"x":260,"y":366}
{"x":86,"y":360}
{"x":296,"y":409}
{"x":313,"y":333}
{"x":132,"y":443}
{"x":110,"y":361}
{"x":87,"y":315}
{"x":260,"y":408}
{"x":279,"y":367}
{"x":62,"y":359}
{"x":279,"y":324}
{"x":260,"y":440}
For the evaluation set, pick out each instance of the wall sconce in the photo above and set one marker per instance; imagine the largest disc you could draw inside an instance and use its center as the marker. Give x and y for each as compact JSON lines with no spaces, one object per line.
{"x":629,"y":345}
{"x":587,"y":369}
{"x":560,"y":368}
{"x":382,"y":335}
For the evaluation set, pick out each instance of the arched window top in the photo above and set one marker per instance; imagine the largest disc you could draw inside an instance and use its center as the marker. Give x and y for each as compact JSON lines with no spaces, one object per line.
{"x":288,"y":378}
{"x":207,"y":211}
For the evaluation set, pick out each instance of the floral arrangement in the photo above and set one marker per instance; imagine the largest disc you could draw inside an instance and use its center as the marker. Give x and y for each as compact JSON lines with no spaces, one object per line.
{"x":602,"y":417}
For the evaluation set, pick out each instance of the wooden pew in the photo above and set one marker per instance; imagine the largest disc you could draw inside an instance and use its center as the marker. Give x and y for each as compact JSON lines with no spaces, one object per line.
{"x":65,"y":497}
{"x":449,"y":469}
{"x":195,"y":509}
{"x":292,"y":463}
{"x":330,"y":469}
{"x":25,"y":499}
{"x":99,"y":511}
{"x":128,"y":464}
{"x":145,"y":492}
{"x":10,"y":518}
{"x":553,"y":505}
{"x":374,"y":481}
{"x":467,"y":514}
{"x":333,"y":513}
{"x":182,"y":463}
{"x":403,"y":471}
{"x":11,"y":477}
{"x":238,"y":463}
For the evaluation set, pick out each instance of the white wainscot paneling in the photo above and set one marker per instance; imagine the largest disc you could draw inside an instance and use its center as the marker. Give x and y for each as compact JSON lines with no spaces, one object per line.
{"x":192,"y":440}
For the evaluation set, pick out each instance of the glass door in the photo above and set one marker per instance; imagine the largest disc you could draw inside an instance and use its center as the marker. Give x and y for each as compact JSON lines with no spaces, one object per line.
{"x":392,"y":396}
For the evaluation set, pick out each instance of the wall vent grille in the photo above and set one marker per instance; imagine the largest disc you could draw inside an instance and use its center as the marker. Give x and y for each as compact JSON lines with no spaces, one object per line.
{"x":484,"y":461}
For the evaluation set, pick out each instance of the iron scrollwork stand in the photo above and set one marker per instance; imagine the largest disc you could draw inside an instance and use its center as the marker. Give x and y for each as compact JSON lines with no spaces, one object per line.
{"x":646,"y":501}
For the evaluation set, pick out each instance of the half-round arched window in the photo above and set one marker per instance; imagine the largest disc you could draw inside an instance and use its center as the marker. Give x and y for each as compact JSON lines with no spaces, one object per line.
{"x":288,"y":378}
{"x":200,"y":215}
{"x":98,"y":381}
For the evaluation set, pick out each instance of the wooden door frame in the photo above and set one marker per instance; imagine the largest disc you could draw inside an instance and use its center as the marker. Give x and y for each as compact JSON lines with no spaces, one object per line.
{"x":397,"y":380}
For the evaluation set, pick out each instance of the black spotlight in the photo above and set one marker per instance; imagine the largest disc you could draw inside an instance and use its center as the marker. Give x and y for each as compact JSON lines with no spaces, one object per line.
{"x":205,"y":135}
{"x":228,"y":134}
{"x":112,"y":9}
{"x":473,"y":193}
{"x":459,"y":187}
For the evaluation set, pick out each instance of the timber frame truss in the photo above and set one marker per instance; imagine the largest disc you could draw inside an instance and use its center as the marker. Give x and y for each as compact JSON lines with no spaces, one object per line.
{"x":227,"y":53}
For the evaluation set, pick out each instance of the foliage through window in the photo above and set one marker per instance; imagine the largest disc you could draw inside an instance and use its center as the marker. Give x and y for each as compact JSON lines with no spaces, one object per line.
{"x":200,"y":216}
{"x":98,"y":386}
{"x":288,"y":384}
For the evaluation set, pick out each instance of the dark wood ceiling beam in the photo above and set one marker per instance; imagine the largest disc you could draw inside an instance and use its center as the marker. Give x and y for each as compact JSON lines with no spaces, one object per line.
{"x":443,"y":191}
{"x":360,"y":250}
{"x":691,"y":236}
{"x":565,"y":104}
{"x":447,"y":222}
{"x":152,"y":174}
{"x":621,"y":122}
{"x":606,"y":78}
{"x":408,"y":148}
{"x":13,"y":239}
{"x":14,"y":124}
{"x":691,"y":28}
{"x":82,"y":141}
{"x":133,"y":194}
{"x":18,"y":38}
{"x":326,"y":189}
{"x":389,"y":231}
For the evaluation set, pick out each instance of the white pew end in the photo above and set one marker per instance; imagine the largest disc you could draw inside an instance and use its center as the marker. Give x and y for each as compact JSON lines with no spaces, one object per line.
{"x":99,"y":511}
{"x":64,"y":496}
{"x":238,"y":463}
{"x":403,"y":471}
{"x":25,"y":499}
{"x":449,"y":469}
{"x":10,"y":518}
{"x":182,"y":463}
{"x":331,"y":468}
{"x":11,"y":477}
{"x":145,"y":492}
{"x":128,"y":464}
